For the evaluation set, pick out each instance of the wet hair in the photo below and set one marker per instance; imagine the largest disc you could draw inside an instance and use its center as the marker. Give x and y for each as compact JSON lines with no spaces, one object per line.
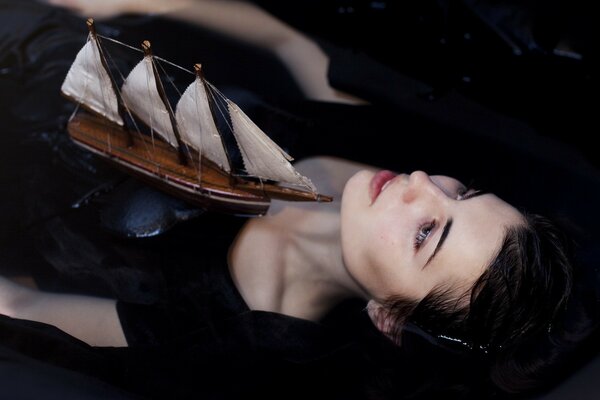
{"x":511,"y":319}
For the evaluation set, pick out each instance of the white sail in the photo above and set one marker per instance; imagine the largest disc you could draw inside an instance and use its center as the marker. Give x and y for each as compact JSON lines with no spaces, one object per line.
{"x":197,"y":126}
{"x":88,"y":82}
{"x":262,"y":157}
{"x":140,"y":95}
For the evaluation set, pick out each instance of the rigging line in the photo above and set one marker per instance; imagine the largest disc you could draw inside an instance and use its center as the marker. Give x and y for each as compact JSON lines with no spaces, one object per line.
{"x":77,"y":105}
{"x":167,"y":75}
{"x":226,"y":100}
{"x":266,"y":142}
{"x":223,"y":99}
{"x":210,"y":92}
{"x":99,"y":70}
{"x":216,"y":90}
{"x":275,"y":151}
{"x":249,"y":125}
{"x":135,"y":125}
{"x":261,"y":142}
{"x":201,"y":148}
{"x":185,"y":145}
{"x":141,"y":51}
{"x":278,"y":151}
{"x":121,"y":43}
{"x":220,"y":108}
{"x":219,"y":105}
{"x":151,"y":114}
{"x":79,"y":101}
{"x":175,"y":65}
{"x":103,"y":70}
{"x":181,"y":68}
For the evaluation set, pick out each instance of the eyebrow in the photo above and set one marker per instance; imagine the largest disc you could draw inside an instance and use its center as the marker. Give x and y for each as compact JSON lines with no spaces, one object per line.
{"x":440,"y":242}
{"x":447,"y":227}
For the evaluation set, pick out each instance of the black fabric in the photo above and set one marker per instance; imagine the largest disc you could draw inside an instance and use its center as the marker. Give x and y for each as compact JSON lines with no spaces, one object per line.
{"x":194,"y":300}
{"x":223,"y":351}
{"x":200,"y":340}
{"x":26,"y":378}
{"x":204,"y":329}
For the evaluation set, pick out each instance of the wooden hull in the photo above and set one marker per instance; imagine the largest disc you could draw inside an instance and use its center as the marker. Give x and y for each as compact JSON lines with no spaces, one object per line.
{"x":154,"y":161}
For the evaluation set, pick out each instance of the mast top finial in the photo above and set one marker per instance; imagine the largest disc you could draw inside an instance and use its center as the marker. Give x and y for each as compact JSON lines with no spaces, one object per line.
{"x":147,"y":47}
{"x":90,"y":25}
{"x":198,"y":68}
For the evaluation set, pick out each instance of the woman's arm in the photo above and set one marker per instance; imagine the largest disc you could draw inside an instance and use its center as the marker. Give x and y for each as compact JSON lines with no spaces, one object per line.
{"x":93,"y":320}
{"x":240,"y":20}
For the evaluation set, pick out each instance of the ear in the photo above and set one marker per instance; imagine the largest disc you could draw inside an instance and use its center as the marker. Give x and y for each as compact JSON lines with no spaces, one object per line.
{"x":382,"y":320}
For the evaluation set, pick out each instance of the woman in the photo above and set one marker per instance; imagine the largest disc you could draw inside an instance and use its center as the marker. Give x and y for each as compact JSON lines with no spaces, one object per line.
{"x":423,"y":254}
{"x":460,"y":263}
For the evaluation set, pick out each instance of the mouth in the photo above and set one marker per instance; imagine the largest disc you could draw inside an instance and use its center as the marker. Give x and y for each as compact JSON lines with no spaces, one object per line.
{"x":379,"y":183}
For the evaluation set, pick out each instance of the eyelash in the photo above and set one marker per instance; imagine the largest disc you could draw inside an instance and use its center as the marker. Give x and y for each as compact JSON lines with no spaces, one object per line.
{"x":429,"y":226}
{"x":421,"y":235}
{"x":462,"y":193}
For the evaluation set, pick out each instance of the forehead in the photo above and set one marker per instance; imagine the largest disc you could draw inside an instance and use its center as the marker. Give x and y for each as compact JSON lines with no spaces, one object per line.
{"x":478,"y":230}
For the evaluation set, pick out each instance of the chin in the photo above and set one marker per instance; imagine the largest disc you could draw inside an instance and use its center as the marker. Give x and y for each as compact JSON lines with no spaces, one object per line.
{"x":357,"y":187}
{"x":354,"y":207}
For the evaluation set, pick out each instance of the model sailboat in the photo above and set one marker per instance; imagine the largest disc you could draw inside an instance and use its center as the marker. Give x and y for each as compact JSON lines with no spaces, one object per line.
{"x":183,"y":152}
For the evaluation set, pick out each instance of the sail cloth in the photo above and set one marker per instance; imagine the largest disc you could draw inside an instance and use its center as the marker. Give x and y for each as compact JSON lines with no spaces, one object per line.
{"x":140,"y":95}
{"x":262,"y":157}
{"x":197,"y":126}
{"x":88,"y":83}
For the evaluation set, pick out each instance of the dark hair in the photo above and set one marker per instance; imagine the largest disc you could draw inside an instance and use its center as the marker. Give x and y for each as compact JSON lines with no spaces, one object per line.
{"x":513,"y":310}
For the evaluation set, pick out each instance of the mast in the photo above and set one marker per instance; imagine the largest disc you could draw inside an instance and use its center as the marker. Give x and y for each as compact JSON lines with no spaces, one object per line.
{"x":200,"y":75}
{"x":163,"y":96}
{"x":120,"y":106}
{"x":197,"y":124}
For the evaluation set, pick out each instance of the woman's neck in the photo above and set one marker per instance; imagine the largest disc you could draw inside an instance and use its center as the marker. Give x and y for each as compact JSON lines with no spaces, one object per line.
{"x":290,"y":261}
{"x":314,"y":277}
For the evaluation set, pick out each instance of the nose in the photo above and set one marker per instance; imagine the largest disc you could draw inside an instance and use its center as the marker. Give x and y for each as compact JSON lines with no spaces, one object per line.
{"x":419,"y":178}
{"x":421,"y":184}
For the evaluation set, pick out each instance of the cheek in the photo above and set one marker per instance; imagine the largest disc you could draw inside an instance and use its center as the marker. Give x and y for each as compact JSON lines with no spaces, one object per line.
{"x":356,"y":189}
{"x":377,"y":261}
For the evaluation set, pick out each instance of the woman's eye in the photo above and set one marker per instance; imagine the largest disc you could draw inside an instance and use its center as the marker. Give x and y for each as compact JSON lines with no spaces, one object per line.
{"x":466,"y":192}
{"x":422,"y":234}
{"x":462,"y":192}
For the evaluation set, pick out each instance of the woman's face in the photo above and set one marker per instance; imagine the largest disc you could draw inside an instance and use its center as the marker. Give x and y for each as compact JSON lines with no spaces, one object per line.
{"x":408,"y":234}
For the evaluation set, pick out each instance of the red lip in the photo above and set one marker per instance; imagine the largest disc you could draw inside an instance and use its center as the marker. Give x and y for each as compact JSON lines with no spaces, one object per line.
{"x":377,"y":182}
